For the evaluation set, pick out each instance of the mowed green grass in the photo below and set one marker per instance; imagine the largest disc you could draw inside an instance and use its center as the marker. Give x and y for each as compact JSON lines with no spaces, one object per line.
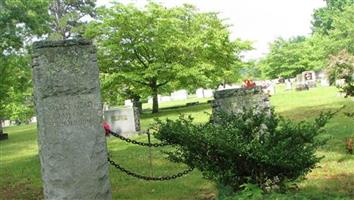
{"x":332,"y":179}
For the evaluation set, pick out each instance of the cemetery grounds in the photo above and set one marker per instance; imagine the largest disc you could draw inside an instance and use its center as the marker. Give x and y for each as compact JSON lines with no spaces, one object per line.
{"x":332,"y":179}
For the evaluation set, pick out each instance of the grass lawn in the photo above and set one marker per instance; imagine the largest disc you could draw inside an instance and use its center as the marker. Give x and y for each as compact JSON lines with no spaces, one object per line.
{"x":332,"y":179}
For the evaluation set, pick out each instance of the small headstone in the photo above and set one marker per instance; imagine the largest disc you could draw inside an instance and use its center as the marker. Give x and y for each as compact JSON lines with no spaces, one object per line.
{"x":72,"y":145}
{"x":124,"y":121}
{"x":3,"y":136}
{"x":325,"y":82}
{"x":179,"y":95}
{"x":287,"y":84}
{"x":199,"y":93}
{"x":128,"y":103}
{"x":165,"y":99}
{"x":6,"y":123}
{"x":204,"y":93}
{"x":33,"y":119}
{"x":233,"y":100}
{"x":269,"y":87}
{"x":309,"y":78}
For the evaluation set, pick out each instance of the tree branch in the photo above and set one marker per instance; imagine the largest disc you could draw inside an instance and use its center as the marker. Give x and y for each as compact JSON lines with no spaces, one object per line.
{"x":162,"y":84}
{"x":140,"y":60}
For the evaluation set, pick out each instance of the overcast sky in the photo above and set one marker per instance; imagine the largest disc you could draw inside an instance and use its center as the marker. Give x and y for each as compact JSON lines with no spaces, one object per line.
{"x":260,"y":21}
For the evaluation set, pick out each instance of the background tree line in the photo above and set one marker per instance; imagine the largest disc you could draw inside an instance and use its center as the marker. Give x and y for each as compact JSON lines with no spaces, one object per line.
{"x":332,"y":33}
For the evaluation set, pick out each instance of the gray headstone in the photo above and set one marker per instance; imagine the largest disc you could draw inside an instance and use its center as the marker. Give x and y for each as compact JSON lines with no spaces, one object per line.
{"x":72,"y":146}
{"x":124,"y":121}
{"x":233,"y":100}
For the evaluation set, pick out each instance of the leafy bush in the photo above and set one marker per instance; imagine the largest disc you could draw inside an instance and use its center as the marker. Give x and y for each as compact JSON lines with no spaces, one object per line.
{"x":341,"y":66}
{"x":252,"y":147}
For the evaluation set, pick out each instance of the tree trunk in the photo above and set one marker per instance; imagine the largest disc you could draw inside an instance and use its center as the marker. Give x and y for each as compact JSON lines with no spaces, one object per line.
{"x":137,"y":104}
{"x":155,"y":101}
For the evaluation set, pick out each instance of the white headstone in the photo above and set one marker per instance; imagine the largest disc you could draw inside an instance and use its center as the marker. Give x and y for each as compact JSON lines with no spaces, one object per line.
{"x":199,"y":93}
{"x":325,"y":82}
{"x":128,"y":103}
{"x":208,"y":93}
{"x":287,"y":84}
{"x":179,"y":95}
{"x":124,"y":121}
{"x":165,"y":99}
{"x":33,"y":119}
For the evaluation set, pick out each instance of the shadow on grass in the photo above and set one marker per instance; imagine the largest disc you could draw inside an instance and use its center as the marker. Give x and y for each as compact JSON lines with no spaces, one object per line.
{"x":20,"y":179}
{"x":136,"y":159}
{"x":339,"y":186}
{"x":337,"y":130}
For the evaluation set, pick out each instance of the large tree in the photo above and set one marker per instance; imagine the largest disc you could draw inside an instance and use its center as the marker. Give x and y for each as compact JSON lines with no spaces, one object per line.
{"x":323,"y":17}
{"x":290,"y":57}
{"x":158,"y":49}
{"x":66,"y":17}
{"x":19,"y":20}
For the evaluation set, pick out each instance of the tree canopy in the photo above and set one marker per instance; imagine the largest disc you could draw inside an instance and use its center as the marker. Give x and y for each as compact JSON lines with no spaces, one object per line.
{"x":19,"y":21}
{"x":157,"y":49}
{"x":333,"y":32}
{"x":66,"y":17}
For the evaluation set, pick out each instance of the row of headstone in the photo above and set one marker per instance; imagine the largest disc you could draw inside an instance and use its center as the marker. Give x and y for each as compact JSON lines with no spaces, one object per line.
{"x":309,"y":79}
{"x":178,"y":95}
{"x":7,"y":123}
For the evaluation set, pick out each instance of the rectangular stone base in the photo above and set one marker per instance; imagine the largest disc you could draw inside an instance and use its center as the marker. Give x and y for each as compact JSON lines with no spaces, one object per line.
{"x":4,"y":136}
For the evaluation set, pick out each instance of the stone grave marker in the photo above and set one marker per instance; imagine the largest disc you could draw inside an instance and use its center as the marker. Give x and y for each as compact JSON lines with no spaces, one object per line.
{"x":124,"y":121}
{"x":287,"y":84}
{"x":204,"y":93}
{"x":233,"y":100}
{"x":179,"y":95}
{"x":72,"y":145}
{"x":309,"y":78}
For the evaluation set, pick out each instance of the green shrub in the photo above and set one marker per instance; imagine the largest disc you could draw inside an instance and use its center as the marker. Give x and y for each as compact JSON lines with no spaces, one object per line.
{"x":250,"y":147}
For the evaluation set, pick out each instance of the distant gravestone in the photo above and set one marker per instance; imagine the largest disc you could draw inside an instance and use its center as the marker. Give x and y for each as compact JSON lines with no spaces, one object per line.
{"x":72,"y":146}
{"x":179,"y":95}
{"x":124,"y":121}
{"x":233,"y":100}
{"x":309,"y":78}
{"x":287,"y":84}
{"x":128,"y":103}
{"x":204,"y":93}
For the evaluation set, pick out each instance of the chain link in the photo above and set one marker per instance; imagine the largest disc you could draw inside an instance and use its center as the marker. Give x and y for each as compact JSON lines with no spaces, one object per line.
{"x":137,"y":142}
{"x":149,"y":178}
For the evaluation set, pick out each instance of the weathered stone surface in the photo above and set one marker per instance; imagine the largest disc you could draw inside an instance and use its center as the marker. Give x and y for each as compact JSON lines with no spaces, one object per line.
{"x":72,"y":146}
{"x":233,"y":100}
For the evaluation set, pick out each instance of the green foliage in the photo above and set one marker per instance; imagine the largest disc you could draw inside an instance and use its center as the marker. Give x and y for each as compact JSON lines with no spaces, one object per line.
{"x":342,"y":34}
{"x":323,"y":17}
{"x":341,"y":66}
{"x":19,"y":21}
{"x":287,"y":58}
{"x":248,"y":192}
{"x":66,"y":17}
{"x":156,"y":50}
{"x":249,"y":147}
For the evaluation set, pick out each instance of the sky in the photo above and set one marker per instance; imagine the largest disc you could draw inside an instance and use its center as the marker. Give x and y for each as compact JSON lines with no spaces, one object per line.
{"x":261,"y":21}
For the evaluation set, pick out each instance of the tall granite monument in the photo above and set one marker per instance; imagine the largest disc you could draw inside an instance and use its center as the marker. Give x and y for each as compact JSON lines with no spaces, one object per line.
{"x":72,"y":146}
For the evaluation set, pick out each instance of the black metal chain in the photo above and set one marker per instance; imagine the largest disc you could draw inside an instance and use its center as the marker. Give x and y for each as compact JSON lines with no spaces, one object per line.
{"x":149,"y":178}
{"x":137,"y":142}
